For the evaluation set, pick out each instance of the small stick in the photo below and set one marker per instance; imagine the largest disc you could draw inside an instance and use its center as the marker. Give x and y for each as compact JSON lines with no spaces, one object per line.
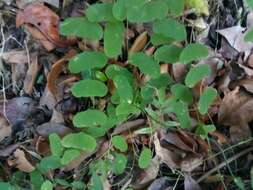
{"x":224,"y":163}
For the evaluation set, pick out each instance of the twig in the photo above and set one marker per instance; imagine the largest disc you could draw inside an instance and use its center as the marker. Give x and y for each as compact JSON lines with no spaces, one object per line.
{"x":224,"y":163}
{"x":128,"y":126}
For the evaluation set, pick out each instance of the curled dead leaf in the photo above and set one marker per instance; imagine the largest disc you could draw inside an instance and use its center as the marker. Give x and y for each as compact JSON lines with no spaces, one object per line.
{"x":21,"y":162}
{"x":45,"y":20}
{"x":139,"y":43}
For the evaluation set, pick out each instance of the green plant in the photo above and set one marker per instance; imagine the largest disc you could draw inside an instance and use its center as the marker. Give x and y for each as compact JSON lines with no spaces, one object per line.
{"x":107,"y":23}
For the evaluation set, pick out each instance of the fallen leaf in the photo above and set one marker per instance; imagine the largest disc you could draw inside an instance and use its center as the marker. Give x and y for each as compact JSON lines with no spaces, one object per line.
{"x":239,"y":133}
{"x":235,"y":37}
{"x":15,"y":56}
{"x":5,"y":128}
{"x":56,"y":70}
{"x":190,"y":183}
{"x":46,"y":129}
{"x":31,"y":75}
{"x":162,"y":183}
{"x":42,"y":146}
{"x":45,"y":20}
{"x":22,"y":3}
{"x":139,"y":43}
{"x":179,"y":71}
{"x":17,"y":109}
{"x":7,"y":151}
{"x":21,"y":162}
{"x":37,"y":35}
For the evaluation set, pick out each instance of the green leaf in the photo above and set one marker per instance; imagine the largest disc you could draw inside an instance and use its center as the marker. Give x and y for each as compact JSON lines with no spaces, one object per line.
{"x":126,"y":109}
{"x":182,"y":113}
{"x":162,"y":81}
{"x":89,"y":118}
{"x":49,"y":163}
{"x":251,"y":177}
{"x":159,"y":39}
{"x":36,"y":179}
{"x":249,"y":35}
{"x":6,"y":186}
{"x":113,"y":70}
{"x":168,"y":53}
{"x":206,"y":99}
{"x":96,"y":183}
{"x":55,"y":145}
{"x":176,"y":7}
{"x":239,"y":182}
{"x":146,"y":64}
{"x":203,"y":130}
{"x":62,"y":182}
{"x":119,"y":10}
{"x":170,"y":28}
{"x":81,"y":27}
{"x":69,"y":155}
{"x":100,"y":12}
{"x":147,"y":12}
{"x":78,"y":185}
{"x":80,"y":141}
{"x":47,"y":185}
{"x":200,"y":6}
{"x":124,"y":89}
{"x":193,"y":52}
{"x":250,"y":3}
{"x":89,"y":88}
{"x":96,"y":131}
{"x":87,"y":60}
{"x":113,"y":38}
{"x":196,"y":74}
{"x":119,"y":163}
{"x":119,"y":142}
{"x":145,"y":158}
{"x":181,"y":92}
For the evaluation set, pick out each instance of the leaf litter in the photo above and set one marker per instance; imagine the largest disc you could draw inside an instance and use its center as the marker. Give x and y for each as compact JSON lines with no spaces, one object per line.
{"x":36,"y":99}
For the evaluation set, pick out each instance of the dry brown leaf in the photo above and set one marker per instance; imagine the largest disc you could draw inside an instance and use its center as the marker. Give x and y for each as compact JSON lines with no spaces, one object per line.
{"x":162,"y":183}
{"x":17,"y":109}
{"x":21,"y":162}
{"x":5,"y":128}
{"x":37,"y":35}
{"x":179,"y":72}
{"x":239,"y":133}
{"x":31,"y":75}
{"x":139,"y":43}
{"x":42,"y":146}
{"x":190,"y":183}
{"x":236,"y":108}
{"x":15,"y":56}
{"x":45,"y":20}
{"x":56,"y":70}
{"x":46,"y":129}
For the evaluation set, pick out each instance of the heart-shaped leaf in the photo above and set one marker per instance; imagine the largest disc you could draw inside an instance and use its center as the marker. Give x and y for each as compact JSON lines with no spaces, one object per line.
{"x":193,"y":52}
{"x":145,"y":158}
{"x":69,"y":155}
{"x":181,"y":92}
{"x":81,"y":27}
{"x":55,"y":145}
{"x":168,"y":53}
{"x":146,"y":64}
{"x":113,"y":38}
{"x":119,"y":142}
{"x":206,"y":99}
{"x":89,"y":88}
{"x":124,"y":89}
{"x":89,"y":118}
{"x":87,"y":60}
{"x":100,"y":12}
{"x":170,"y":28}
{"x":196,"y":74}
{"x":80,"y":141}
